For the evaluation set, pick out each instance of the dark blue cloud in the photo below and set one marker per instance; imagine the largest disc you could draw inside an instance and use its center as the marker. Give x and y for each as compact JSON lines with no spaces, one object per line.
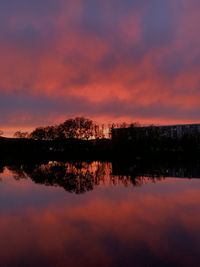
{"x":26,"y":7}
{"x":39,"y":108}
{"x":95,"y":19}
{"x":28,"y":24}
{"x":158,"y":24}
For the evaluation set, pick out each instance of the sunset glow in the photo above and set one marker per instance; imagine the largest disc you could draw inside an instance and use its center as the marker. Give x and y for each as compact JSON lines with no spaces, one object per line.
{"x":109,"y":60}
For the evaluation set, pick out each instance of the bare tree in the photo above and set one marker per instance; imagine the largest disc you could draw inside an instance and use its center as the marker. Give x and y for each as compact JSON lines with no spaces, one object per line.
{"x":80,"y":128}
{"x":20,"y":134}
{"x":38,"y":134}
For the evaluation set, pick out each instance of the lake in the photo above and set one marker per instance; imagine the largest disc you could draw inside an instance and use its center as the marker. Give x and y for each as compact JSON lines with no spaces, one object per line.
{"x":60,"y":214}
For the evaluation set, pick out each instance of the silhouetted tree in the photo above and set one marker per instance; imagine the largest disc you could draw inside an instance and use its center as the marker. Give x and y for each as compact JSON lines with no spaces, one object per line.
{"x":110,"y":129}
{"x":38,"y":134}
{"x":135,"y":124}
{"x":80,"y":127}
{"x":20,"y":134}
{"x":51,"y":133}
{"x":99,"y":131}
{"x":124,"y":125}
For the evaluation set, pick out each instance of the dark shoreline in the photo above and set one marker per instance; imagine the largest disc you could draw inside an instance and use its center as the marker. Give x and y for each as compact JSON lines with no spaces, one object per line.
{"x":46,"y":161}
{"x":13,"y":149}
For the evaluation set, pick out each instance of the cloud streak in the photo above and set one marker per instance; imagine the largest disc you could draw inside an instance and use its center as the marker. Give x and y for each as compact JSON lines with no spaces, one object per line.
{"x":104,"y":59}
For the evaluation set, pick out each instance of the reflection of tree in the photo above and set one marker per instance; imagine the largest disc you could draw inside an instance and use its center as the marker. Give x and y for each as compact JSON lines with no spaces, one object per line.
{"x":128,"y":180}
{"x":141,"y":180}
{"x":78,"y":177}
{"x":1,"y":171}
{"x":17,"y":172}
{"x":73,"y":177}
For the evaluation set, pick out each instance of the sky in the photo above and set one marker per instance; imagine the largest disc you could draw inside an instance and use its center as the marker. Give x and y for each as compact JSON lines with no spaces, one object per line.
{"x":108,"y":60}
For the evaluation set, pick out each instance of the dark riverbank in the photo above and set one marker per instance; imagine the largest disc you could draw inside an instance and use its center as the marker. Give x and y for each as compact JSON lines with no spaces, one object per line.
{"x":100,"y":149}
{"x":68,"y":149}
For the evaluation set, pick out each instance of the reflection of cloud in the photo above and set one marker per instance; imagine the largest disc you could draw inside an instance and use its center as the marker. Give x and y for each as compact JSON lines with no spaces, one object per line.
{"x":133,"y":51}
{"x":145,"y":227}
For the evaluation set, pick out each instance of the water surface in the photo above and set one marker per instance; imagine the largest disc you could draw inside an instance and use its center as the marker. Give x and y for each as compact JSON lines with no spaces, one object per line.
{"x":84,"y":214}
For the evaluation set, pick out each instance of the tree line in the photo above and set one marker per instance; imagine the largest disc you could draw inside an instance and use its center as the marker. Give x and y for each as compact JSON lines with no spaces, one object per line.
{"x":76,"y":128}
{"x":79,"y":128}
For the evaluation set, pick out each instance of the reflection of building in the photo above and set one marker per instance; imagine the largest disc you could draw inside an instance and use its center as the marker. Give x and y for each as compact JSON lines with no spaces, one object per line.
{"x":173,"y":131}
{"x":144,"y":170}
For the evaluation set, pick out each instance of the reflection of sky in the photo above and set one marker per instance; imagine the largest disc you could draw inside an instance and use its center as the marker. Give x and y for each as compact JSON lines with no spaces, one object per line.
{"x":153,"y":225}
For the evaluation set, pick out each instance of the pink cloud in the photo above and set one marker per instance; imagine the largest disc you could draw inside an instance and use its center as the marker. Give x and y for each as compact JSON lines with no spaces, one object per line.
{"x":134,"y":53}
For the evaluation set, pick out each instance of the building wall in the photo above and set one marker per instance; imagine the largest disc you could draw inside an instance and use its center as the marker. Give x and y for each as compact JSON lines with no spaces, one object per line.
{"x":172,"y":131}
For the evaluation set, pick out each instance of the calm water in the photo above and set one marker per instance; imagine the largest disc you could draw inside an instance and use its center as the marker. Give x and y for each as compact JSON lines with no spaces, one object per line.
{"x":62,"y":214}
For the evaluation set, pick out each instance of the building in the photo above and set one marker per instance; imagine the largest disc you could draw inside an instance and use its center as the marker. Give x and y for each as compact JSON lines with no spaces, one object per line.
{"x":171,"y":131}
